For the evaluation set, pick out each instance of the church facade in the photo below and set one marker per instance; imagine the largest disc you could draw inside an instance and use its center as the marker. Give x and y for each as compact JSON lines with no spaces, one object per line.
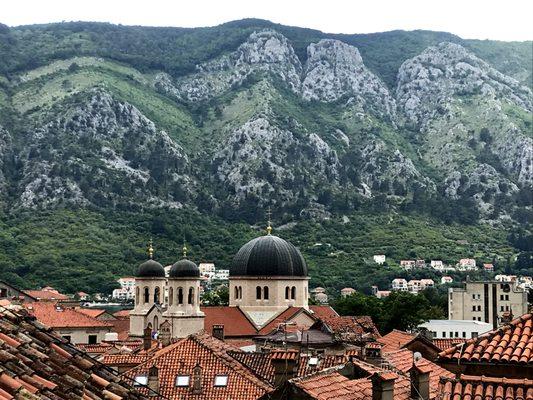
{"x":268,"y":275}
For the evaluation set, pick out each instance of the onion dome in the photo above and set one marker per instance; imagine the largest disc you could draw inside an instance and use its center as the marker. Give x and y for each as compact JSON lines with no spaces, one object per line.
{"x":184,"y":269}
{"x":150,"y":269}
{"x":268,"y":255}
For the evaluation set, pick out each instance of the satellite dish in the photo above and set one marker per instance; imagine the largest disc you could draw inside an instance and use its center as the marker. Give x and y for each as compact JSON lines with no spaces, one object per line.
{"x":417,"y":356}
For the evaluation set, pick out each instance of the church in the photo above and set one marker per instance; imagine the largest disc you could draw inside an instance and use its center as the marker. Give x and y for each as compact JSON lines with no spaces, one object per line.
{"x":268,"y":283}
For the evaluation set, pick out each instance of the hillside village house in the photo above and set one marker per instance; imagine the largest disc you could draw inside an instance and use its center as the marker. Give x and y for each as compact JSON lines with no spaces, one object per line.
{"x":446,"y":279}
{"x":488,"y":267}
{"x":347,"y":292}
{"x":466,"y":264}
{"x":399,"y":284}
{"x":407,"y":264}
{"x":437,"y":264}
{"x":379,"y":258}
{"x":126,"y":290}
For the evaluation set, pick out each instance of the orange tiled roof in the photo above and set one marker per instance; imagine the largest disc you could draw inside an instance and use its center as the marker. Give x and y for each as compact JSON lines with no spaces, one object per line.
{"x":402,"y":360}
{"x":285,"y":316}
{"x":444,"y":344}
{"x":485,"y":388}
{"x":363,"y":325}
{"x":329,"y":384}
{"x":261,"y":364}
{"x":37,"y":363}
{"x":322,"y":312}
{"x":120,"y":326}
{"x":122,"y":314}
{"x":394,"y":340}
{"x":91,"y":312}
{"x":48,"y":314}
{"x":511,"y":343}
{"x":212,"y":356}
{"x":46,"y":295}
{"x":234,"y":321}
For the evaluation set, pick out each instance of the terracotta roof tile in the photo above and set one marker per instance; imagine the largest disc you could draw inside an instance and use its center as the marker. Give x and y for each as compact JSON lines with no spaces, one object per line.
{"x":212,"y":356}
{"x":361,"y":327}
{"x":91,"y":312}
{"x":444,"y":344}
{"x":509,"y":344}
{"x":55,"y":316}
{"x":323,"y":312}
{"x":43,"y":365}
{"x":485,"y":388}
{"x":394,"y":340}
{"x":122,"y":314}
{"x":46,"y":295}
{"x":235,"y":322}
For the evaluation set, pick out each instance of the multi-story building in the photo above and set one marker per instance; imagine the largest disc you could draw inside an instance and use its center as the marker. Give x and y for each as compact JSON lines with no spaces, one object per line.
{"x":486,"y":301}
{"x":446,"y":279}
{"x":222,"y":274}
{"x":407,"y":264}
{"x":207,"y":270}
{"x":451,"y":329}
{"x":466,"y":264}
{"x":399,"y":284}
{"x":127,"y":289}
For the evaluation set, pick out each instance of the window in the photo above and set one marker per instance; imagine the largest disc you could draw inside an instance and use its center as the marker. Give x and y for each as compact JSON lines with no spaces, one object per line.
{"x":479,"y":318}
{"x":137,"y":295}
{"x":67,"y":338}
{"x":473,"y":296}
{"x":157,"y":295}
{"x":265,"y":293}
{"x":464,"y":334}
{"x":293,"y":292}
{"x":182,"y":380}
{"x":221,"y":380}
{"x":240,"y":292}
{"x":146,"y":295}
{"x":443,"y":334}
{"x":287,"y":290}
{"x":479,"y":308}
{"x":156,"y":323}
{"x":456,"y":334}
{"x":236,"y":292}
{"x":258,"y":292}
{"x":473,"y":308}
{"x":141,"y":380}
{"x":501,"y":297}
{"x":451,"y":334}
{"x":506,"y":297}
{"x":93,"y":339}
{"x":501,"y":308}
{"x":180,"y":295}
{"x":190,"y":299}
{"x":474,"y":334}
{"x":171,"y":296}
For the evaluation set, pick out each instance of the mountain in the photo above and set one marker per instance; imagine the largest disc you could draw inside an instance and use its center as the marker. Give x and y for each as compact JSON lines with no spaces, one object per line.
{"x":144,"y":127}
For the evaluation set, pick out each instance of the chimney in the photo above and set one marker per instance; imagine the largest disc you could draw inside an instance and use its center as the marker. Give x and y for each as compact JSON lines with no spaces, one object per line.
{"x":153,"y":381}
{"x":197,"y":379}
{"x":147,"y":338}
{"x":164,"y":333}
{"x":420,"y":382}
{"x":285,"y":363}
{"x":383,"y":385}
{"x":218,"y":331}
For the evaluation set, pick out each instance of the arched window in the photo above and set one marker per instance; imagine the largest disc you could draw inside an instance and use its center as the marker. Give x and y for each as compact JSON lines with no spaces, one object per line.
{"x":240,"y":292}
{"x":287,"y":290}
{"x":265,"y":293}
{"x":146,"y":295}
{"x":157,"y":295}
{"x":180,"y":295}
{"x":137,"y":295}
{"x":258,"y":292}
{"x":156,"y":323}
{"x":236,"y":292}
{"x":171,"y":296}
{"x":190,"y":300}
{"x":293,"y":293}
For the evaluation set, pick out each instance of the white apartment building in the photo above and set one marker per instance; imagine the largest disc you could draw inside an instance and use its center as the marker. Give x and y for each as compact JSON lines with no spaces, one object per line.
{"x":407,"y":264}
{"x":222,"y":274}
{"x":452,"y":329}
{"x":127,"y":289}
{"x":399,"y":284}
{"x":446,"y":279}
{"x":466,"y":264}
{"x":207,"y":270}
{"x":486,"y":301}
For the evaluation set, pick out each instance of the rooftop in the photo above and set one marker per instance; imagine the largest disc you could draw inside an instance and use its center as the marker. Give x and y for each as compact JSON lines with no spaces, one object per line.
{"x":485,"y":388}
{"x":55,"y":316}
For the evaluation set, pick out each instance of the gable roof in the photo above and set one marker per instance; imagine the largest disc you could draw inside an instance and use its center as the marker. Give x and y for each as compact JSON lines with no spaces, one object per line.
{"x":403,"y":360}
{"x":46,"y":295}
{"x":23,"y":292}
{"x":395,"y":340}
{"x":234,"y":320}
{"x":485,"y":388}
{"x":322,"y":312}
{"x":122,"y":314}
{"x":91,"y":312}
{"x":361,"y":326}
{"x":511,"y":344}
{"x":212,"y":356}
{"x":37,"y":363}
{"x":261,"y":363}
{"x":63,"y":317}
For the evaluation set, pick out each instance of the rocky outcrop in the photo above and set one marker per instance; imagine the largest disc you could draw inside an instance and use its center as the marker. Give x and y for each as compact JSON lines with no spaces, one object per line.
{"x":335,"y":70}
{"x":264,"y":162}
{"x":428,"y":82}
{"x":105,"y":152}
{"x":263,"y":52}
{"x":6,"y":151}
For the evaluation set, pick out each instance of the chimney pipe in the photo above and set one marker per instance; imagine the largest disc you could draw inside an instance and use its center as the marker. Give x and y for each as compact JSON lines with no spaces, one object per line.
{"x":147,"y":338}
{"x":197,"y":379}
{"x":153,"y":381}
{"x":420,"y":382}
{"x":383,"y":385}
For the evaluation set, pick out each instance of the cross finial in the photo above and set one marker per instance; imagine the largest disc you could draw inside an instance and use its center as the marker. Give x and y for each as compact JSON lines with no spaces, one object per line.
{"x":184,"y":250}
{"x":150,"y":249}
{"x":269,"y":226}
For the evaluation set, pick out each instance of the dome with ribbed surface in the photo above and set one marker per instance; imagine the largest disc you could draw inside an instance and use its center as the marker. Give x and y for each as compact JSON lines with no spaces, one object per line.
{"x":184,"y":269}
{"x":150,"y":269}
{"x":268,"y":255}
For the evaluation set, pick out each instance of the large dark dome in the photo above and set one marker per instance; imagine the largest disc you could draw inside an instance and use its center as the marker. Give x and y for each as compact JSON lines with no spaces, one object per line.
{"x":268,"y":256}
{"x":184,"y":269}
{"x":150,"y":269}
